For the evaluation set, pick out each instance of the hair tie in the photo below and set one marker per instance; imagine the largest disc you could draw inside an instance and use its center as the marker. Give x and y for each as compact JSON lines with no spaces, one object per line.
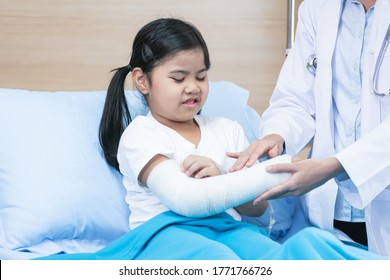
{"x":128,"y":67}
{"x":146,"y":52}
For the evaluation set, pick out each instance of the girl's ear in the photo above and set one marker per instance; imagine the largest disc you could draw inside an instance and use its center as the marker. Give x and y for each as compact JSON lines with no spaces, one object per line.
{"x":140,"y":80}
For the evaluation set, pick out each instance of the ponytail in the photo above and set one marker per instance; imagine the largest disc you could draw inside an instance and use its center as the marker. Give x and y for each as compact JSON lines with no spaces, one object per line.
{"x":116,"y":116}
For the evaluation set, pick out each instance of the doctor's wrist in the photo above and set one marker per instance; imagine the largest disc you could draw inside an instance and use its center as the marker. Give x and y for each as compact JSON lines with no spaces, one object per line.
{"x":334,"y":167}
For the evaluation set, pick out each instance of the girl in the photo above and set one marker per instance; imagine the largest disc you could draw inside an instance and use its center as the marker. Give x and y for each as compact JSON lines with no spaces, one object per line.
{"x":169,"y":67}
{"x":174,"y":159}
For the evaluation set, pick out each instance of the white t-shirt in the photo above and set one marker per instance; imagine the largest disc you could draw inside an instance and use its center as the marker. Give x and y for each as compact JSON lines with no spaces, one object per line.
{"x":145,"y":137}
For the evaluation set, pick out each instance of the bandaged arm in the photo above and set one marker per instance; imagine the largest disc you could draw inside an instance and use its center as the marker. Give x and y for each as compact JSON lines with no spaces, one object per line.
{"x":196,"y":198}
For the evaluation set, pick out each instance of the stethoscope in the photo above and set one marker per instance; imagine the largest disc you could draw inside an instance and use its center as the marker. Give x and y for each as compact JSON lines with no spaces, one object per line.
{"x":378,"y":65}
{"x":311,"y":65}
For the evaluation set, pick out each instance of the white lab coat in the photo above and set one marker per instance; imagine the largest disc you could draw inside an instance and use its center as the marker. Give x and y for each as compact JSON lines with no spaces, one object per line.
{"x":301,"y":111}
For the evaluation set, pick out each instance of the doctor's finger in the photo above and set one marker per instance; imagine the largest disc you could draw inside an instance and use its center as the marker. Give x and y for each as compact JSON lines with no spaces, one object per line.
{"x":282,"y":168}
{"x":240,"y":162}
{"x":246,"y":159}
{"x":296,"y":159}
{"x":233,"y":154}
{"x":271,"y":194}
{"x":252,"y":154}
{"x":281,"y":190}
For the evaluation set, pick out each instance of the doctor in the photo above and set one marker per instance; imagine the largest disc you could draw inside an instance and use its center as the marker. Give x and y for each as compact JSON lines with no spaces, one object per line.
{"x":325,"y":96}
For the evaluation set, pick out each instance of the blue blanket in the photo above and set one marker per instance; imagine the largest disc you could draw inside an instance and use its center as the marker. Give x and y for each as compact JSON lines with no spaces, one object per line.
{"x":169,"y":236}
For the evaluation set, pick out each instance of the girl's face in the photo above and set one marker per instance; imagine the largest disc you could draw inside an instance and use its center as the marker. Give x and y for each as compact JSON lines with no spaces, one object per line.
{"x":179,"y":88}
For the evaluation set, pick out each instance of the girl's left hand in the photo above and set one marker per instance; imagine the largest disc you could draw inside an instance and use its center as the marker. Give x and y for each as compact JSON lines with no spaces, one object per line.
{"x":199,"y":167}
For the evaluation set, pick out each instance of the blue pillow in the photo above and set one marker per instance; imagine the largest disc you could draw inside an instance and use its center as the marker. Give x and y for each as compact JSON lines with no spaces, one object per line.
{"x":54,"y":182}
{"x":57,"y":193}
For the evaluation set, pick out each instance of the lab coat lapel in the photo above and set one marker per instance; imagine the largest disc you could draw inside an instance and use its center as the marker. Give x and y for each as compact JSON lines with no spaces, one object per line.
{"x":371,"y":116}
{"x":321,"y":200}
{"x":381,"y":23}
{"x":328,"y":21}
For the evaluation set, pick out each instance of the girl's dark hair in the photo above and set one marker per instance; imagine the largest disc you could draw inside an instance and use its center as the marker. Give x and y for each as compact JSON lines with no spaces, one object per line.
{"x":154,"y":43}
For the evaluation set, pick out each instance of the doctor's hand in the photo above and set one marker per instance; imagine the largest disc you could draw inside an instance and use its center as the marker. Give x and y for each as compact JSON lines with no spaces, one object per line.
{"x":306,"y":175}
{"x":199,"y":167}
{"x":270,"y":146}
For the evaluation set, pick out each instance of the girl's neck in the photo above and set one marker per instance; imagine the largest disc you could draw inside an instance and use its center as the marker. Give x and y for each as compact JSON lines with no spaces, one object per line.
{"x":189,"y":130}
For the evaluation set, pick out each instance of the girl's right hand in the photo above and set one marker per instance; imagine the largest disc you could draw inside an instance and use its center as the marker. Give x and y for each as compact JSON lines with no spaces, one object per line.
{"x":271,"y":146}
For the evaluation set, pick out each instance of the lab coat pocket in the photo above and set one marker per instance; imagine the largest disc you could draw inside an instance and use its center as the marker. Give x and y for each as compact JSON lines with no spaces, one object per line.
{"x":384,"y":104}
{"x":383,"y":86}
{"x":379,"y":224}
{"x":381,"y":206}
{"x":384,"y":196}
